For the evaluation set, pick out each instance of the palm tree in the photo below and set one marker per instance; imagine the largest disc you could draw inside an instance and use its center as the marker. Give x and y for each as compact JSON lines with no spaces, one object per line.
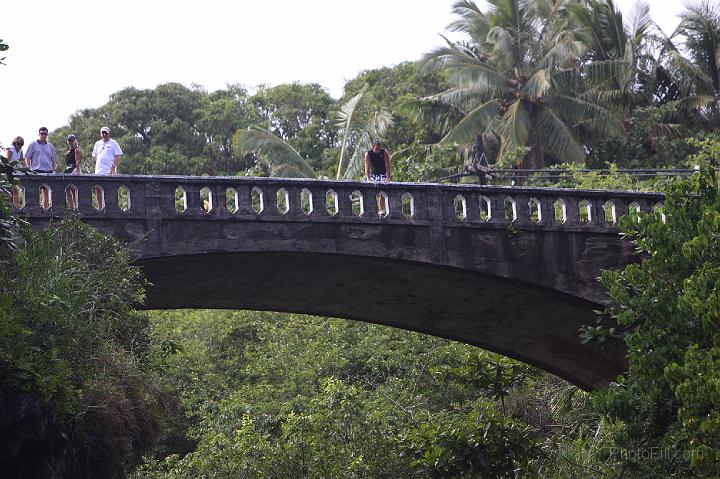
{"x":698,"y":73}
{"x":286,"y":161}
{"x":283,"y":159}
{"x":632,"y":47}
{"x":519,"y":77}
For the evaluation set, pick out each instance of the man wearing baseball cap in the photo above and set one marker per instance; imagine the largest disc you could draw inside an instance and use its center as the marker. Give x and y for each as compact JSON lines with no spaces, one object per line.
{"x":106,"y":153}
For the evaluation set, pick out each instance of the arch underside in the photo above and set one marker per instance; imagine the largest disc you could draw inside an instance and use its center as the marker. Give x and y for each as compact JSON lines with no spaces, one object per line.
{"x":535,"y":325}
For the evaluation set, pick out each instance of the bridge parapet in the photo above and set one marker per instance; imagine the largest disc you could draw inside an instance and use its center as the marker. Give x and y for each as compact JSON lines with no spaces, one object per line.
{"x":312,"y":200}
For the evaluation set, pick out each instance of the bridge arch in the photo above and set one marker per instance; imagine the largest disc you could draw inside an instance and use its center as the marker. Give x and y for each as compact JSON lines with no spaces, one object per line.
{"x":519,"y":285}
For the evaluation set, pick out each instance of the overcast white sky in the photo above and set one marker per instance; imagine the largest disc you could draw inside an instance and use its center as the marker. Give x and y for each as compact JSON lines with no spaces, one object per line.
{"x":68,"y":55}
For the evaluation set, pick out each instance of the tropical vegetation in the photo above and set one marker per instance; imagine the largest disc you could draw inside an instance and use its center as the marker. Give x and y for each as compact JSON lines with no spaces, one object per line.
{"x":89,"y":387}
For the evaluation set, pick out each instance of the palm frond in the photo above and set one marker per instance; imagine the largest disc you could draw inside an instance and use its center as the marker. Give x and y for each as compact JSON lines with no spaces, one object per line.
{"x":462,"y":98}
{"x":689,"y":75}
{"x":482,"y":77}
{"x":692,"y":102}
{"x":503,"y":46}
{"x":562,"y":53}
{"x":538,"y":85}
{"x":593,"y":73}
{"x":670,"y":130}
{"x":575,"y":111}
{"x":437,"y":115}
{"x":283,"y":159}
{"x":345,"y":117}
{"x":641,"y":21}
{"x":515,"y":128}
{"x":557,"y":139}
{"x":472,"y":20}
{"x":700,"y":29}
{"x":451,"y":55}
{"x":473,"y":123}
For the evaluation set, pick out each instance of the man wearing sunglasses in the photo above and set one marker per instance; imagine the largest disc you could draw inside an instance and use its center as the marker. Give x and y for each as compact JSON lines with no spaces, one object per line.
{"x":40,"y":155}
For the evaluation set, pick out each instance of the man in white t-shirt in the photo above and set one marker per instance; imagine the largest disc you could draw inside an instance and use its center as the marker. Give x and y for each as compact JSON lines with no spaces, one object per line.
{"x":106,"y":153}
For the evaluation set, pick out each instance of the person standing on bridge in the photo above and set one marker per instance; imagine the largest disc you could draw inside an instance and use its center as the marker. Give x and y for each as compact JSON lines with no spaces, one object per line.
{"x":40,"y":155}
{"x":106,"y":153}
{"x":377,"y":168}
{"x":15,"y":153}
{"x":377,"y":163}
{"x":72,"y":167}
{"x":42,"y":158}
{"x":72,"y":156}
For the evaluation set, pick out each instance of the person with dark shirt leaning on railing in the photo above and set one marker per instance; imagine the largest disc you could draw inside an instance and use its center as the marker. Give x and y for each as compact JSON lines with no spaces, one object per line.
{"x":377,"y":168}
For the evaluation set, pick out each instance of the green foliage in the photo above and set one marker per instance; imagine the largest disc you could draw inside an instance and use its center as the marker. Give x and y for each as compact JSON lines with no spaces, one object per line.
{"x":297,"y":113}
{"x":281,"y":158}
{"x":481,"y":443}
{"x":667,"y":308}
{"x":519,"y":74}
{"x":9,"y":223}
{"x":312,"y":397}
{"x":656,"y":137}
{"x":424,"y":163}
{"x":71,"y":345}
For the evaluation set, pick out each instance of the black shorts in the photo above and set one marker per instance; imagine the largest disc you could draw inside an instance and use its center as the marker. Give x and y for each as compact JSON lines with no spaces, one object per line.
{"x":69,"y":169}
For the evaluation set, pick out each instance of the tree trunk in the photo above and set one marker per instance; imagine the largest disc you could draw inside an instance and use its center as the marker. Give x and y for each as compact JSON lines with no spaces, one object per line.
{"x":540,"y":157}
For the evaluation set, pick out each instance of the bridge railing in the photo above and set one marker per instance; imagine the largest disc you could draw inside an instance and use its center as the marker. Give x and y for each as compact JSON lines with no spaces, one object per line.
{"x":247,"y":198}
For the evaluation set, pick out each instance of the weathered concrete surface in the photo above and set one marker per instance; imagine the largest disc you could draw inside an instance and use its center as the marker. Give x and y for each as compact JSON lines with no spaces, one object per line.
{"x":519,"y":287}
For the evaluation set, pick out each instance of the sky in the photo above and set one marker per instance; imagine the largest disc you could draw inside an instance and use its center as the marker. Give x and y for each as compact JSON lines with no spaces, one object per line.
{"x":70,"y":55}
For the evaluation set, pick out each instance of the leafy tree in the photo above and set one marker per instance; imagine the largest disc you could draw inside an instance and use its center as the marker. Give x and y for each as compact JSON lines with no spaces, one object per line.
{"x":298,"y":114}
{"x":224,"y":113}
{"x":285,"y":160}
{"x":484,"y":443}
{"x":696,"y":68}
{"x":75,"y":396}
{"x":277,"y":395}
{"x":667,"y":307}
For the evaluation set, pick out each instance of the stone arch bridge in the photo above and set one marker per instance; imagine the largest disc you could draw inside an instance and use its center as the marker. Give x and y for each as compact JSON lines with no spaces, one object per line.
{"x":512,"y":270}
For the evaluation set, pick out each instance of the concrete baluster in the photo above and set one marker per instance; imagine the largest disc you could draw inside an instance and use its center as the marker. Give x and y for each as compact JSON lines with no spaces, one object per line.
{"x":497,"y":208}
{"x":522,"y":207}
{"x":344,"y":202}
{"x":572,"y":210}
{"x":395,"y":204}
{"x":547,"y":210}
{"x":294,"y":202}
{"x":369,"y":200}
